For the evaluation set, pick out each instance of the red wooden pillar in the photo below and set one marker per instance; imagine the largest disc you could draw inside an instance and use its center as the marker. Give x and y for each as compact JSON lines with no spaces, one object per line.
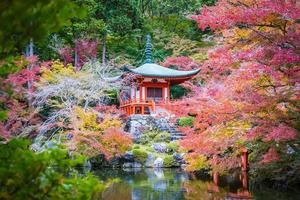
{"x":143,"y":109}
{"x":245,"y":180}
{"x":163,"y":94}
{"x":244,"y":158}
{"x":216,"y":178}
{"x":215,"y":186}
{"x":169,"y":97}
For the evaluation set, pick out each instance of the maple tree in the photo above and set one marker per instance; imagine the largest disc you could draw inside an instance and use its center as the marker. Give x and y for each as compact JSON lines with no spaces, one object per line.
{"x":16,"y":90}
{"x":88,"y":135}
{"x":251,"y":92}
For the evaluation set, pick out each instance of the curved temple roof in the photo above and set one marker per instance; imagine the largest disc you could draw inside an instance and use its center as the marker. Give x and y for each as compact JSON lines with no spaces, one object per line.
{"x":154,"y":70}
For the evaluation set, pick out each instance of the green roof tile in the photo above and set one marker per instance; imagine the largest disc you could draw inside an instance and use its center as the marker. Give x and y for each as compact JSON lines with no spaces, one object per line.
{"x":154,"y":70}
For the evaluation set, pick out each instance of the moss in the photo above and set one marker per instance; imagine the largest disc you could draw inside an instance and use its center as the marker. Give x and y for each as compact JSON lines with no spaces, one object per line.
{"x":154,"y":136}
{"x":169,"y":161}
{"x":136,"y":147}
{"x":162,"y":137}
{"x":173,"y":146}
{"x":186,"y":121}
{"x":144,"y":139}
{"x":140,"y":155}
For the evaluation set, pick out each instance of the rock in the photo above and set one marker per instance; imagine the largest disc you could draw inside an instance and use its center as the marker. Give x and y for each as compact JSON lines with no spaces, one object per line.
{"x":179,"y":158}
{"x":150,"y":160}
{"x":50,"y":145}
{"x":183,"y":166}
{"x":87,"y":166}
{"x":137,"y":124}
{"x":128,"y":156}
{"x":69,"y":136}
{"x":115,"y":162}
{"x":98,"y":161}
{"x":290,"y":150}
{"x":132,"y":165}
{"x":159,"y":147}
{"x":159,"y":163}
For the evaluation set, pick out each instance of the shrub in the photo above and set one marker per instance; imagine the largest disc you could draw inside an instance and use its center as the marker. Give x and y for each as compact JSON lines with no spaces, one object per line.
{"x":140,"y":155}
{"x":169,"y":161}
{"x":178,"y":91}
{"x":186,"y":121}
{"x":144,"y":139}
{"x":173,"y":146}
{"x":27,"y":175}
{"x":115,"y":142}
{"x":148,"y":137}
{"x":196,"y":162}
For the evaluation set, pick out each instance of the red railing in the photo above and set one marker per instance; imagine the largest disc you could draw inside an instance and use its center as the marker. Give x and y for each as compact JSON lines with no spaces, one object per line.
{"x":140,"y":106}
{"x":137,"y":106}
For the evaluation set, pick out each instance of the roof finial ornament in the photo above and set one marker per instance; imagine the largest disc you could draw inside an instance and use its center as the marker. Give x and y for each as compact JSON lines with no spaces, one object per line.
{"x":148,"y":51}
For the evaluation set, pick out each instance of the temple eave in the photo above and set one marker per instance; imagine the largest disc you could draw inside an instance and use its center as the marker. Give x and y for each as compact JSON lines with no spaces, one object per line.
{"x":172,"y":80}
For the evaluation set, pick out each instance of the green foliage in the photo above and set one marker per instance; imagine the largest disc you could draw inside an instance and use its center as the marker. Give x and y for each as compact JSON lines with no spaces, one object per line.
{"x":3,"y":115}
{"x":28,"y":175}
{"x":154,"y":136}
{"x":173,"y":146}
{"x":9,"y":66}
{"x":113,"y":96}
{"x":162,"y":137}
{"x":169,"y":161}
{"x":186,"y":121}
{"x":177,"y":91}
{"x":136,"y":147}
{"x":140,"y":155}
{"x":35,"y":20}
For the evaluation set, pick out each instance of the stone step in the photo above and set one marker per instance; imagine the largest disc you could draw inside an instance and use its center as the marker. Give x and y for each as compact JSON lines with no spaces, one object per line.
{"x":178,"y":134}
{"x":176,"y":138}
{"x":174,"y":132}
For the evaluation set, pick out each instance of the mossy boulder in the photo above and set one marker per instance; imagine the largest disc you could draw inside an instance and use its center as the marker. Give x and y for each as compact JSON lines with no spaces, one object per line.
{"x":140,"y":155}
{"x":170,"y":161}
{"x":172,"y":147}
{"x":154,"y":136}
{"x":162,"y":137}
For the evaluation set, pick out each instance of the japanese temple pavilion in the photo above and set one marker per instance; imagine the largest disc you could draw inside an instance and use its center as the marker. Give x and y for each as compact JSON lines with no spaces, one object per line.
{"x":152,"y":85}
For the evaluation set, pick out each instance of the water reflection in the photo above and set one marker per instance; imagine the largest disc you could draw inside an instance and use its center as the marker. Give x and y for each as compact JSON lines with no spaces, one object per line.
{"x":175,"y":184}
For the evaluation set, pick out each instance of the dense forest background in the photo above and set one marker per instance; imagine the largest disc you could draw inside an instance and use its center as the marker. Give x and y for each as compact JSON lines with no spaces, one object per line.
{"x":58,"y":64}
{"x":118,"y":27}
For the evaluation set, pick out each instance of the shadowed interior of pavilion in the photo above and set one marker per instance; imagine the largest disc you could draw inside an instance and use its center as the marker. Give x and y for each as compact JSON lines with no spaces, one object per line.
{"x":151,"y":87}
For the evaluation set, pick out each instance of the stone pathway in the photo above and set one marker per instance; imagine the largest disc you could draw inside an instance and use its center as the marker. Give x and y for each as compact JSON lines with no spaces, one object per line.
{"x":172,"y":128}
{"x":162,"y":119}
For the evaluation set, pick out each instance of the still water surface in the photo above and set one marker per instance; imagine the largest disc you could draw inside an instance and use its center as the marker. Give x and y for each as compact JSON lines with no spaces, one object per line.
{"x":175,"y":184}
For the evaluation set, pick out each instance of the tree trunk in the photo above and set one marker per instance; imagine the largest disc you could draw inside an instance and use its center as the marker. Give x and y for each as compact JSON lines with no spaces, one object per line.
{"x":76,"y":56}
{"x":104,"y":48}
{"x":29,"y":53}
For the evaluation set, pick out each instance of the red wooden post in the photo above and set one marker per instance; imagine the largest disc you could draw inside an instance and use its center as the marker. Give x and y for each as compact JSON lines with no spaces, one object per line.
{"x":244,"y":158}
{"x":245,"y":180}
{"x":215,"y":186}
{"x":216,"y":178}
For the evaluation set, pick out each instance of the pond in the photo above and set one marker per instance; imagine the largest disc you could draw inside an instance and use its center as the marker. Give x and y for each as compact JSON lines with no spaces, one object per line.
{"x":175,"y":184}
